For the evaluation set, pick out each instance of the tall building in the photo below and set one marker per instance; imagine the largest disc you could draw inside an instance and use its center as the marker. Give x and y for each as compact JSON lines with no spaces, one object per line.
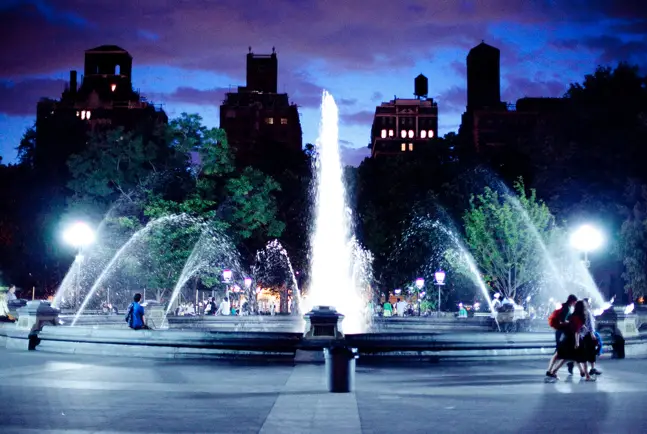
{"x":483,"y":77}
{"x":256,"y":116}
{"x":105,"y":98}
{"x":488,"y":124}
{"x":405,"y":125}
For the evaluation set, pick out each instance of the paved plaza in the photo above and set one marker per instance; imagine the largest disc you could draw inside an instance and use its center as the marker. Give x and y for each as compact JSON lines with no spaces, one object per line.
{"x":41,"y":392}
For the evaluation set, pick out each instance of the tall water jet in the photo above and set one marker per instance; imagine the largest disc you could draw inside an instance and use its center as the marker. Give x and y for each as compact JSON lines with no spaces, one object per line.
{"x":273,"y":267}
{"x":332,"y":282}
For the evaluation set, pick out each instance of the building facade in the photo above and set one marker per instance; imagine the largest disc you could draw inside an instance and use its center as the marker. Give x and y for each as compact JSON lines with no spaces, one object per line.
{"x":405,"y":125}
{"x":256,"y":116}
{"x":103,"y":99}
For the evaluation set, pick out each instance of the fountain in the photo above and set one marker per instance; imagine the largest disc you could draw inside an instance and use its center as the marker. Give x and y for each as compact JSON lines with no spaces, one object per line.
{"x":273,"y":268}
{"x":118,"y":255}
{"x":211,"y":253}
{"x":332,"y":282}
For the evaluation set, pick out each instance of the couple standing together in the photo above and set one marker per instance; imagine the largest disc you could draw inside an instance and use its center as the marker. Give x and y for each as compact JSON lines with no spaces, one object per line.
{"x":575,"y":337}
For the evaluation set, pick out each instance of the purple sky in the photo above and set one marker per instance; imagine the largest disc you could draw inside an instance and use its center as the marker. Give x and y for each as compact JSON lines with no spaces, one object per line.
{"x":187,"y":54}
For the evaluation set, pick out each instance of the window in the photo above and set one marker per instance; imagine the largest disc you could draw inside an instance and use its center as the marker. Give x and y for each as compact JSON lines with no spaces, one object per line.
{"x":284,"y":121}
{"x":87,"y":114}
{"x":83,"y":114}
{"x":403,"y":147}
{"x":402,"y":121}
{"x":78,"y":114}
{"x":411,"y":146}
{"x":390,"y":133}
{"x":403,"y":134}
{"x":430,"y":133}
{"x":269,"y":121}
{"x":117,"y":69}
{"x":423,"y":134}
{"x":383,"y":134}
{"x":113,"y":87}
{"x":410,"y":121}
{"x":411,"y":134}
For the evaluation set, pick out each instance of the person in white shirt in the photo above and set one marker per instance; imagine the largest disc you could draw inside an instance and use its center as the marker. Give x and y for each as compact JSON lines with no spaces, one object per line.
{"x":225,"y":307}
{"x":400,"y":307}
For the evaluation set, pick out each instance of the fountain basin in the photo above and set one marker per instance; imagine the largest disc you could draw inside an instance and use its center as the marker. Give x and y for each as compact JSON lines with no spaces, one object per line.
{"x":282,"y":347}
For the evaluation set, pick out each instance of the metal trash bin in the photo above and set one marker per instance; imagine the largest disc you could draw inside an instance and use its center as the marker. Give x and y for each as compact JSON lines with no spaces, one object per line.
{"x":340,"y":369}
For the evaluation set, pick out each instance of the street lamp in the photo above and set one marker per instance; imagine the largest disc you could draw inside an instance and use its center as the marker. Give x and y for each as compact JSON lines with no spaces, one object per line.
{"x":439,"y":277}
{"x":78,"y":235}
{"x":420,"y":283}
{"x":226,"y":275}
{"x":586,"y":239}
{"x":248,"y":282}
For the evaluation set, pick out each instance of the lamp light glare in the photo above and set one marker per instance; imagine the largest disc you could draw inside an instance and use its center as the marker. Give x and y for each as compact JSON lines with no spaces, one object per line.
{"x":420,"y":282}
{"x":586,"y":238}
{"x":79,"y":235}
{"x":226,"y":274}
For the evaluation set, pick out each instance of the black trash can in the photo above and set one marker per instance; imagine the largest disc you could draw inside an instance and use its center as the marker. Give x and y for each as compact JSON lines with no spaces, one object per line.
{"x":340,"y":369}
{"x":618,"y":346}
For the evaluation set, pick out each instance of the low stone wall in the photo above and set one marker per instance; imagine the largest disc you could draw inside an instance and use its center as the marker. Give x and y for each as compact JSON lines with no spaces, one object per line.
{"x":169,"y":343}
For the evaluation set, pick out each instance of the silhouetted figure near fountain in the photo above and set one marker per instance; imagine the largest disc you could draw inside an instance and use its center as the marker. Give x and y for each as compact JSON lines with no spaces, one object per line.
{"x":135,"y":316}
{"x":559,"y":321}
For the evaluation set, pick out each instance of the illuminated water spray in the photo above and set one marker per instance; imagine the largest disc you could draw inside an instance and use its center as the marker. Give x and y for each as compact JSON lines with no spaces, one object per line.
{"x":334,"y":282}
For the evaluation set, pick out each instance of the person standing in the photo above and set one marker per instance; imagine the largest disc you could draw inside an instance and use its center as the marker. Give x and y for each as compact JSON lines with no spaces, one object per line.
{"x":11,"y":295}
{"x":559,"y":321}
{"x":591,"y":342}
{"x":400,"y":307}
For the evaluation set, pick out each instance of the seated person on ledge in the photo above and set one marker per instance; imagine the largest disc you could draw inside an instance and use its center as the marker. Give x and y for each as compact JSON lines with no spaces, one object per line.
{"x":5,"y":316}
{"x":135,"y":317}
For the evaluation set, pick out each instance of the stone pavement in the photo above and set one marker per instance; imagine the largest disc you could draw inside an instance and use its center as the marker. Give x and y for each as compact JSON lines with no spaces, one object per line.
{"x":41,"y":392}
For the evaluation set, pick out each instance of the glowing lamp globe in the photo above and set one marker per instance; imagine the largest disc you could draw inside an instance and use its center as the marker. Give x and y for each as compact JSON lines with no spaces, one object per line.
{"x":397,"y":291}
{"x":440,"y":277}
{"x":78,"y":235}
{"x":420,"y":282}
{"x":586,"y":238}
{"x":248,"y":282}
{"x":226,"y":274}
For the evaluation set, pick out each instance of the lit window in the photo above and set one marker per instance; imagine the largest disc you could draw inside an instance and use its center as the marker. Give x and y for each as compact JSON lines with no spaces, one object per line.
{"x":113,"y":87}
{"x":411,"y":146}
{"x":78,"y":114}
{"x":269,"y":121}
{"x":423,"y":134}
{"x":284,"y":121}
{"x":403,"y":147}
{"x":403,"y":133}
{"x":430,"y":133}
{"x":87,"y":114}
{"x":83,"y":114}
{"x":411,"y":134}
{"x":383,"y":134}
{"x":390,"y":133}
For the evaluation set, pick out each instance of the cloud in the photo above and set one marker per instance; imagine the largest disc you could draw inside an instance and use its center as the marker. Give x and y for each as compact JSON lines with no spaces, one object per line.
{"x":190,"y":95}
{"x":459,"y":68}
{"x":522,"y":86}
{"x":364,"y":117}
{"x":346,"y":102}
{"x":453,"y":99}
{"x":352,"y":156}
{"x":19,"y":98}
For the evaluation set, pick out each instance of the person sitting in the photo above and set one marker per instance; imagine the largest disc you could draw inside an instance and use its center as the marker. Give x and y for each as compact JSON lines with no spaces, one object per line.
{"x":135,"y":316}
{"x":388,"y":309}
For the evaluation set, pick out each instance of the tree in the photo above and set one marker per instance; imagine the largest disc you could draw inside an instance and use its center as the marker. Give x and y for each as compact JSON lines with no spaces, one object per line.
{"x":633,"y":243}
{"x":504,"y":234}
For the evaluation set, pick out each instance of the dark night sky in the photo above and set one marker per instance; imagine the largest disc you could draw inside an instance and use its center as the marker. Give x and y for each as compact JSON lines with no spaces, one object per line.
{"x":187,"y":53}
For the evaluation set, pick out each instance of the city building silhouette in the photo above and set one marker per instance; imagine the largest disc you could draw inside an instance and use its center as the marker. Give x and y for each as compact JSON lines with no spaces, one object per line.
{"x":103,"y":99}
{"x":405,"y":125}
{"x":256,"y":117}
{"x":490,"y":125}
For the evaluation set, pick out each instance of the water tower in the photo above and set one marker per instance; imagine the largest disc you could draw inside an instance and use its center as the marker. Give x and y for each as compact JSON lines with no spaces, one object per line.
{"x":421,"y":87}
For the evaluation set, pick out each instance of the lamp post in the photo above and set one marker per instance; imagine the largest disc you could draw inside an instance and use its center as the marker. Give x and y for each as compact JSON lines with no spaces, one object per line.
{"x":439,"y":277}
{"x":420,"y":283}
{"x":226,"y":277}
{"x":586,"y":239}
{"x":78,"y":235}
